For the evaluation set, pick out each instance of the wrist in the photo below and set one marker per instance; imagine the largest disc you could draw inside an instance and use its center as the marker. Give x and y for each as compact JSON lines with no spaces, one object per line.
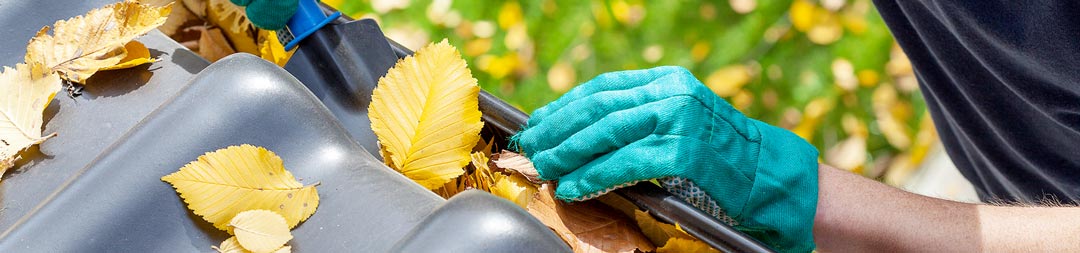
{"x":783,"y":199}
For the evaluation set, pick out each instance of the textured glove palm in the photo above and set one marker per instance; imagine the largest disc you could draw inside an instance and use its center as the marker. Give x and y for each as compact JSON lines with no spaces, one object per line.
{"x":662,"y":123}
{"x":269,"y":14}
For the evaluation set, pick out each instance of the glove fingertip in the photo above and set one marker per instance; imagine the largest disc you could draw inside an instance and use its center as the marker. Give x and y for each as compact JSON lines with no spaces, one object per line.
{"x":567,"y":194}
{"x":268,"y":22}
{"x":571,"y":189}
{"x":519,"y":142}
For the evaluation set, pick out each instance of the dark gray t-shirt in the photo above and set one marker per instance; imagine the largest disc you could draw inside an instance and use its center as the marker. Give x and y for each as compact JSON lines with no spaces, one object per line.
{"x":1001,"y":79}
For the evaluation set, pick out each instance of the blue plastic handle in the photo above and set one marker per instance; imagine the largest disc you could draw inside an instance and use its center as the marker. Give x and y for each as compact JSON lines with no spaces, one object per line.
{"x":308,"y":19}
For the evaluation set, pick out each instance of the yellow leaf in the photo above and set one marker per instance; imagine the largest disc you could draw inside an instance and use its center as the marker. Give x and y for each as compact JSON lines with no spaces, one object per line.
{"x":483,"y":177}
{"x":272,"y":50}
{"x":334,"y":3}
{"x":260,"y":230}
{"x":826,"y":30}
{"x":25,"y":91}
{"x":658,"y":232}
{"x":685,"y":245}
{"x":891,"y":115}
{"x":699,"y":51}
{"x":483,"y":147}
{"x":80,"y":46}
{"x":925,"y":138}
{"x":868,"y":78}
{"x":426,"y":115}
{"x":225,"y":182}
{"x":136,"y":54}
{"x":232,"y":246}
{"x":514,"y":188}
{"x":500,"y":66}
{"x":233,"y":20}
{"x":510,"y":14}
{"x":849,"y":154}
{"x":802,"y":13}
{"x":477,"y":47}
{"x":561,"y":77}
{"x":727,"y":81}
{"x":478,"y":176}
{"x":812,"y":116}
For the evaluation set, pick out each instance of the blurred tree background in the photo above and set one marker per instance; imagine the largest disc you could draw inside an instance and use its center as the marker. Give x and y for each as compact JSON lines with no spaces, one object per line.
{"x":827,"y":70}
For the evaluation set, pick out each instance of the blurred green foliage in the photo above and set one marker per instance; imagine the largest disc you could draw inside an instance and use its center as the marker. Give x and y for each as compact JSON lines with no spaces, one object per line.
{"x":828,"y":70}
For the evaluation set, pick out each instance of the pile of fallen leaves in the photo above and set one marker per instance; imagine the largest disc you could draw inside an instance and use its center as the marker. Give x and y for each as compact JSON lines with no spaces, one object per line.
{"x":102,"y":39}
{"x":425,"y":114}
{"x":217,"y":28}
{"x":424,"y":111}
{"x":243,"y":190}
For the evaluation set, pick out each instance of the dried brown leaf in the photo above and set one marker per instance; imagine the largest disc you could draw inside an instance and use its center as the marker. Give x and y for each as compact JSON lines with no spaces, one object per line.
{"x":588,"y":226}
{"x":518,"y":163}
{"x":178,"y":19}
{"x":213,"y":46}
{"x":197,"y":7}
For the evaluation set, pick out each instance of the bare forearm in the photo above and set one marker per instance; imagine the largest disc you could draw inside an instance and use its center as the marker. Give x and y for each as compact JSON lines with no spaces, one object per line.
{"x":1026,"y":229}
{"x":856,"y":214}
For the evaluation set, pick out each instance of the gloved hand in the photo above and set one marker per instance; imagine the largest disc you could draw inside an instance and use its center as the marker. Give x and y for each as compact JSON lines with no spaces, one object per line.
{"x":625,"y":127}
{"x":269,"y":14}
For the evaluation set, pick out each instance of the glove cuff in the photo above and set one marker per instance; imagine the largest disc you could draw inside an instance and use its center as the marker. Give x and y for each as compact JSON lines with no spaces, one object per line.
{"x":783,"y":200}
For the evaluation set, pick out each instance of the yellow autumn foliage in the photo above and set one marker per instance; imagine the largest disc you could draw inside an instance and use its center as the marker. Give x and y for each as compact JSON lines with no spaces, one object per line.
{"x":234,"y":22}
{"x":515,"y":188}
{"x":135,"y":54}
{"x":658,"y":232}
{"x":25,"y":91}
{"x":260,"y":231}
{"x":221,"y":184}
{"x":425,"y":114}
{"x":232,"y":246}
{"x":679,"y":245}
{"x":81,"y":46}
{"x":272,"y":50}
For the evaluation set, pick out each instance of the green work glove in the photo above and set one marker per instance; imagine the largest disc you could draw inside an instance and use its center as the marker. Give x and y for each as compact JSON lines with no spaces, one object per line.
{"x":626,"y":127}
{"x":269,"y":14}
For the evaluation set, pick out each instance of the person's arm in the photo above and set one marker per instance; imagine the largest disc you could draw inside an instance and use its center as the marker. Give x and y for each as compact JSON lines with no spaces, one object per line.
{"x":856,"y":214}
{"x":626,"y":127}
